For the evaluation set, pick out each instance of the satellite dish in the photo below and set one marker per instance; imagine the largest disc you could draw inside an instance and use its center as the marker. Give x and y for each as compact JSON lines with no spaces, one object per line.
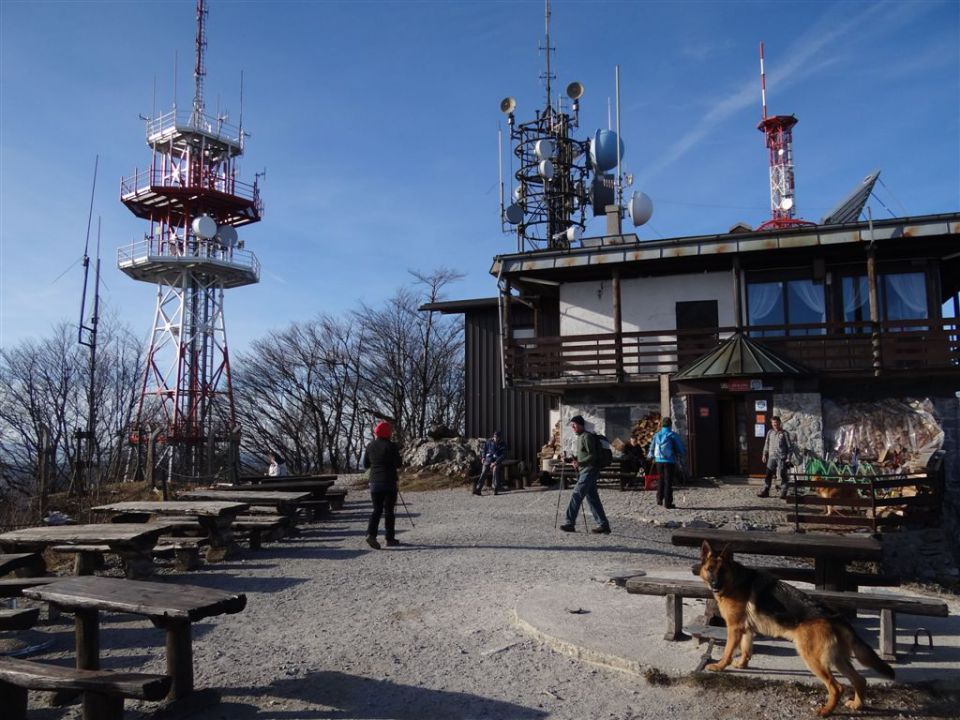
{"x":574,"y":232}
{"x":227,"y":235}
{"x":604,"y":146}
{"x":508,"y":105}
{"x":546,"y":169}
{"x":641,"y":208}
{"x":786,"y":203}
{"x":514,"y":215}
{"x":574,"y":91}
{"x":204,"y":227}
{"x":544,"y":148}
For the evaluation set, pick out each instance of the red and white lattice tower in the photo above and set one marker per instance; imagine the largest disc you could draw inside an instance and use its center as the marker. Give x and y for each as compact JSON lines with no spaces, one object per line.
{"x":193,"y":201}
{"x":778,"y":133}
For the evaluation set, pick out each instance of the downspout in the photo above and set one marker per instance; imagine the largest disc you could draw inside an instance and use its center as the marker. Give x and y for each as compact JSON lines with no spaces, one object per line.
{"x":503,"y":359}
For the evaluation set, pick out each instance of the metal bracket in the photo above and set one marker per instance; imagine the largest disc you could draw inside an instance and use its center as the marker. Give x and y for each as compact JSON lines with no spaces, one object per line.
{"x":708,"y":655}
{"x":916,"y":639}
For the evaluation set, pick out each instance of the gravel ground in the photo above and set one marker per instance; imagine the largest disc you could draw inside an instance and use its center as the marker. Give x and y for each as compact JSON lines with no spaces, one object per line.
{"x":333,"y":629}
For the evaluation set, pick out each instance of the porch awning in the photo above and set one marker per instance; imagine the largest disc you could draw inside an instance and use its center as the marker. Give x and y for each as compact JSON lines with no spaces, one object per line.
{"x":738,"y":356}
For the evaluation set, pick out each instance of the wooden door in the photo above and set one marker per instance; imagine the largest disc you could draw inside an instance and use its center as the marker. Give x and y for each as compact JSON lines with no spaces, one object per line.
{"x":758,"y":409}
{"x":704,"y":425}
{"x":697,"y":324}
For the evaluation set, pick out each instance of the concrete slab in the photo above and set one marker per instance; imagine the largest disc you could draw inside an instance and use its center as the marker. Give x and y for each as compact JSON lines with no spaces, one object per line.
{"x":602,"y":624}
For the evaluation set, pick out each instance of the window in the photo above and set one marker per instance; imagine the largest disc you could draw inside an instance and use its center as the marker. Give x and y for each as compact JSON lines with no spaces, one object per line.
{"x":902,"y":296}
{"x":786,"y":302}
{"x":856,"y":302}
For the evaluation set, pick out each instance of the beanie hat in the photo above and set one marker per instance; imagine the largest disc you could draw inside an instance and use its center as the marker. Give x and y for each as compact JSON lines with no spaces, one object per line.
{"x":383,"y":430}
{"x":578,"y":419}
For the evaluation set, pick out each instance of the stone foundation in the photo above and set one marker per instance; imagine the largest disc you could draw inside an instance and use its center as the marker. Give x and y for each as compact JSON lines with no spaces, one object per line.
{"x":802,"y":418}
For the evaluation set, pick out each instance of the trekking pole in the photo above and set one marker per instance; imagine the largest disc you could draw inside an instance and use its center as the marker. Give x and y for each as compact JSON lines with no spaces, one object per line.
{"x":400,"y":495}
{"x":563,"y":466}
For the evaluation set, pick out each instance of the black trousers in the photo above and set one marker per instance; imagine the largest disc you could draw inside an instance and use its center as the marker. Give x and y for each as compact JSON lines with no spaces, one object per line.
{"x":383,"y":504}
{"x":667,"y":473}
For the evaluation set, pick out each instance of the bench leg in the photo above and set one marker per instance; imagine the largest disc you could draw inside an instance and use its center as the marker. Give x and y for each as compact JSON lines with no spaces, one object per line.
{"x":13,"y":700}
{"x":220,"y":532}
{"x":888,"y":635}
{"x":179,"y":658}
{"x":97,"y":706}
{"x":674,"y":618}
{"x":137,"y":562}
{"x":256,"y":541}
{"x":186,"y":559}
{"x":87,"y":632}
{"x":87,"y":563}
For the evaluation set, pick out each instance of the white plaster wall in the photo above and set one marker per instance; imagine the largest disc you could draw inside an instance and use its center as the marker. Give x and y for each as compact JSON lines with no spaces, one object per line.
{"x":586,"y":308}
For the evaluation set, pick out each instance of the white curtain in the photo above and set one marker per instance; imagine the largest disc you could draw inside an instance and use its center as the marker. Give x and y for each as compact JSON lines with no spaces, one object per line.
{"x":856,"y":297}
{"x":810,"y":295}
{"x":910,"y":290}
{"x":762,"y":299}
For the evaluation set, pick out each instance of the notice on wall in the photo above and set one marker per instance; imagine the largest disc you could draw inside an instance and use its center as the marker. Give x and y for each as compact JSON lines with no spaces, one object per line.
{"x":759,"y":430}
{"x":760,"y":405}
{"x":762,"y":419}
{"x":704,"y":412}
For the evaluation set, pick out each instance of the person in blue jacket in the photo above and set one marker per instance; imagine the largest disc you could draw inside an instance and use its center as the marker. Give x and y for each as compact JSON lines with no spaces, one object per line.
{"x":667,"y":450}
{"x":494,"y":452}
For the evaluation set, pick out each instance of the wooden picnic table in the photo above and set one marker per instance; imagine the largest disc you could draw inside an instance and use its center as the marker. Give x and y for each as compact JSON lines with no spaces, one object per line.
{"x":215,"y":517}
{"x":270,"y":479}
{"x":173,"y":607}
{"x":30,"y":561}
{"x":285,"y":502}
{"x":830,"y":553}
{"x":133,"y":542}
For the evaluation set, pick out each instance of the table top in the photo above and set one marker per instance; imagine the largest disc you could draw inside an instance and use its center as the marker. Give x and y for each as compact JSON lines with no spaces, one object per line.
{"x":253,"y":497}
{"x":15,"y":561}
{"x":316,"y":487}
{"x":287,"y":478}
{"x":208,"y":508}
{"x":152,"y":599}
{"x":816,"y":545}
{"x":94,"y":534}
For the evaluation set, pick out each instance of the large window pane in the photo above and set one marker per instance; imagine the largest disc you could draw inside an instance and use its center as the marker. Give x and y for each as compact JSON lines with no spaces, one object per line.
{"x":905,"y":296}
{"x":856,"y":302}
{"x":765,"y":306}
{"x":805,"y":306}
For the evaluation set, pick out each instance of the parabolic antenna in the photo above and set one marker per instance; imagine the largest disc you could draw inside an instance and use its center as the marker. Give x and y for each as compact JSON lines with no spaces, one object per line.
{"x":518,"y":193}
{"x":574,"y":232}
{"x":204,"y":226}
{"x":514,"y":214}
{"x":603,"y":150}
{"x":544,"y":148}
{"x":546,"y":169}
{"x":641,"y":208}
{"x":574,"y":91}
{"x":508,"y":105}
{"x":786,"y":203}
{"x":227,"y":235}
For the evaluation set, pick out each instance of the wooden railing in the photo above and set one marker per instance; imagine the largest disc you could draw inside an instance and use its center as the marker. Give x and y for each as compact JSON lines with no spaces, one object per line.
{"x":828,"y":348}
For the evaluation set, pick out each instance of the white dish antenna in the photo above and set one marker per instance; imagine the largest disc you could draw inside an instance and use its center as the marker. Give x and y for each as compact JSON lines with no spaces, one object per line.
{"x":786,"y":203}
{"x":544,"y":149}
{"x":514,"y":214}
{"x":641,"y":208}
{"x":546,"y":169}
{"x":227,"y":235}
{"x":574,"y":233}
{"x":204,"y":226}
{"x":508,"y":105}
{"x":518,"y":193}
{"x":575,"y":90}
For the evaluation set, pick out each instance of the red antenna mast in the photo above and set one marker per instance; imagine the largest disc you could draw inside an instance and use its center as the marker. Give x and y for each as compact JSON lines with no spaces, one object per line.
{"x":778,"y":134}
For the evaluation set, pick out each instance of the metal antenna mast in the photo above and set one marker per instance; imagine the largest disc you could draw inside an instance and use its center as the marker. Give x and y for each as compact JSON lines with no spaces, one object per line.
{"x":199,"y":70}
{"x":547,"y":50}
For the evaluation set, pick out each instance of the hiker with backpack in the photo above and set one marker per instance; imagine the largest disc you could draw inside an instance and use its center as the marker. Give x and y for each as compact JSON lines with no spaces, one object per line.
{"x":667,"y":451}
{"x":590,"y":457}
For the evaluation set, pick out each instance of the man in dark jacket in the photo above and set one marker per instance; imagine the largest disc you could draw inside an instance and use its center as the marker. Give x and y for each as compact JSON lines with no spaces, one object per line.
{"x":494,"y":451}
{"x":587,"y":464}
{"x":382,"y":457}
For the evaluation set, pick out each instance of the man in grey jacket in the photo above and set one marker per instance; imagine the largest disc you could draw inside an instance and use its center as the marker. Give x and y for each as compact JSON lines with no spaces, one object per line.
{"x":586,"y":463}
{"x":776,"y":451}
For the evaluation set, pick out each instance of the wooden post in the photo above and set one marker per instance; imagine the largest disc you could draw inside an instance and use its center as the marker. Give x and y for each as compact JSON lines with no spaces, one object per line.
{"x":87,"y":631}
{"x":617,"y":326}
{"x":674,"y":618}
{"x":665,"y":395}
{"x":874,"y":310}
{"x":737,"y":293}
{"x":888,"y":635}
{"x":179,"y":658}
{"x":97,"y":706}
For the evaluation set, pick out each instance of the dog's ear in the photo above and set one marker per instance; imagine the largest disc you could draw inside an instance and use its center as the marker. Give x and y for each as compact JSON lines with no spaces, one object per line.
{"x":726,"y":555}
{"x":705,"y":551}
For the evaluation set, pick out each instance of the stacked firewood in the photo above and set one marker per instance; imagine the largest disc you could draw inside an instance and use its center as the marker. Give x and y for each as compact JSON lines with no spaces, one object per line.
{"x":551,"y":451}
{"x":645,"y":428}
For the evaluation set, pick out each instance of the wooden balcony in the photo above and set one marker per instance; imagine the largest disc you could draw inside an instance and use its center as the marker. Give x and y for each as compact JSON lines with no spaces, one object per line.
{"x":897,"y":348}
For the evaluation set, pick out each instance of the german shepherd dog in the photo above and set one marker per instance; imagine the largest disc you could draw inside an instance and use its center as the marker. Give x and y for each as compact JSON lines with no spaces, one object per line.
{"x":752,"y":601}
{"x":847,"y":491}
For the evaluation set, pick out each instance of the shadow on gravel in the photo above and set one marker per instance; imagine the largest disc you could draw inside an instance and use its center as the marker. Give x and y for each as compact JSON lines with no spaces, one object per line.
{"x":309,"y":553}
{"x":240,"y":583}
{"x":339,"y":695}
{"x":409,"y":545}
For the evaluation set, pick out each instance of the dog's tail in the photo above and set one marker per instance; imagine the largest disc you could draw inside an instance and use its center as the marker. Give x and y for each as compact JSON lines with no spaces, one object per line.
{"x":864,"y":653}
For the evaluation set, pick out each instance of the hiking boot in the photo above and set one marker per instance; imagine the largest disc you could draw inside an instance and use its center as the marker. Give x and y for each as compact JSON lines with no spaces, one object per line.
{"x":602,"y":530}
{"x":783,"y":493}
{"x":372,"y":542}
{"x":477,"y":492}
{"x":393,"y":542}
{"x":764,"y":493}
{"x":568,"y":528}
{"x":670,"y":506}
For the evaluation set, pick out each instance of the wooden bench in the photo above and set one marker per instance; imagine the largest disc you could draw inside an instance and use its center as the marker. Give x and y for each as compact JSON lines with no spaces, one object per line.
{"x":335,"y":496}
{"x":18,"y":618}
{"x":316,"y":508}
{"x":23,"y":564}
{"x":14,"y":587}
{"x":185,"y":550}
{"x":87,"y":559}
{"x":854,"y":579}
{"x":259,"y":527}
{"x":888,"y":605}
{"x":103,"y":691}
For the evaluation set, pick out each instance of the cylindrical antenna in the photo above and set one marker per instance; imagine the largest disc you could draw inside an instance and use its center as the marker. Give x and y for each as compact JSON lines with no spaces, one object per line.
{"x":199,"y":71}
{"x":86,"y":255}
{"x":763,"y":84}
{"x":547,"y":51}
{"x":619,"y":175}
{"x":609,"y":121}
{"x":500,"y":167}
{"x":241,"y":109}
{"x":175,"y":59}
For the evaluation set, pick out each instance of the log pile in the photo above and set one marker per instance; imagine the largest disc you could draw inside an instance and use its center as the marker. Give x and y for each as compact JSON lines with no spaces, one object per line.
{"x":645,"y":428}
{"x":551,"y":451}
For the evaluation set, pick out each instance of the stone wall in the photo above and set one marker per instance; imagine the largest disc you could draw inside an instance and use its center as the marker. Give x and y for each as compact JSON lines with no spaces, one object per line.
{"x":948,"y":413}
{"x":923,"y":555}
{"x":596,"y":419}
{"x":678,"y":412}
{"x":802,"y":417}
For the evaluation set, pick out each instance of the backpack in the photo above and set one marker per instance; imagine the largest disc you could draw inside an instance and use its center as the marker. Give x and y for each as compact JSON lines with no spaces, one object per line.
{"x":604,"y":452}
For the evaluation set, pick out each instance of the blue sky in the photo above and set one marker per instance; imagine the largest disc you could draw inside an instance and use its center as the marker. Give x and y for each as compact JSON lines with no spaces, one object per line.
{"x":377,"y":125}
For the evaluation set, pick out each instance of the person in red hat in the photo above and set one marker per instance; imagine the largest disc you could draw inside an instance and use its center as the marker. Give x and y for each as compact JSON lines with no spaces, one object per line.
{"x":382,"y":458}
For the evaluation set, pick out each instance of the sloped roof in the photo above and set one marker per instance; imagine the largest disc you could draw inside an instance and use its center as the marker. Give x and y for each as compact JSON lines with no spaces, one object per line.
{"x":738,"y":356}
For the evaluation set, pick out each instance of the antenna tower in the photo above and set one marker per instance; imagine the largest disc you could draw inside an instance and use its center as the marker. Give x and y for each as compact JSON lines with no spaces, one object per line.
{"x":778,"y":134}
{"x":193,"y":202}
